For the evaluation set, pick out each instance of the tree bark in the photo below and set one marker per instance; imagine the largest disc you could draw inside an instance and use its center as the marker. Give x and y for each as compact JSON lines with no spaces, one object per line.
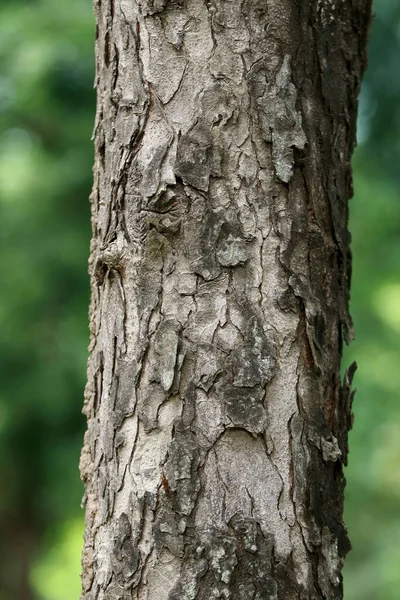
{"x":220,"y":263}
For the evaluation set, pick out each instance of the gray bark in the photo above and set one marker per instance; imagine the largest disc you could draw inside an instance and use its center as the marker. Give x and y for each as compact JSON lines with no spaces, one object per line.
{"x":217,"y":421}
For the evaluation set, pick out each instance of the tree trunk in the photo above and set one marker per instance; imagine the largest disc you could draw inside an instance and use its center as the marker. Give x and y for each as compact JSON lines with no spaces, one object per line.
{"x":217,"y":423}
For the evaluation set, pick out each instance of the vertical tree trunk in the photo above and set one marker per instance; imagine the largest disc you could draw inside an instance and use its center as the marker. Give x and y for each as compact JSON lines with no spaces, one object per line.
{"x":217,"y":424}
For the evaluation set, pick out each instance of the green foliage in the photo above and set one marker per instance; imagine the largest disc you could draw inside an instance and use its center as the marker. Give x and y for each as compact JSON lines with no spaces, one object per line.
{"x":55,"y":576}
{"x":46,"y":115}
{"x":373,"y":477}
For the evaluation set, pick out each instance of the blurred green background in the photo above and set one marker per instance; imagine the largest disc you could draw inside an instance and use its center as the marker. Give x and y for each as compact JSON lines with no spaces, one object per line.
{"x":46,"y":116}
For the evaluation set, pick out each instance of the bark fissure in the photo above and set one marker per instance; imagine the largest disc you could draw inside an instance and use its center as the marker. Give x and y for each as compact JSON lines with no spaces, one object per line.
{"x":217,"y":425}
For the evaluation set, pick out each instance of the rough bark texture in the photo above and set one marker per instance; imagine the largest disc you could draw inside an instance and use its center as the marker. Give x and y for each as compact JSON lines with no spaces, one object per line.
{"x":217,"y":422}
